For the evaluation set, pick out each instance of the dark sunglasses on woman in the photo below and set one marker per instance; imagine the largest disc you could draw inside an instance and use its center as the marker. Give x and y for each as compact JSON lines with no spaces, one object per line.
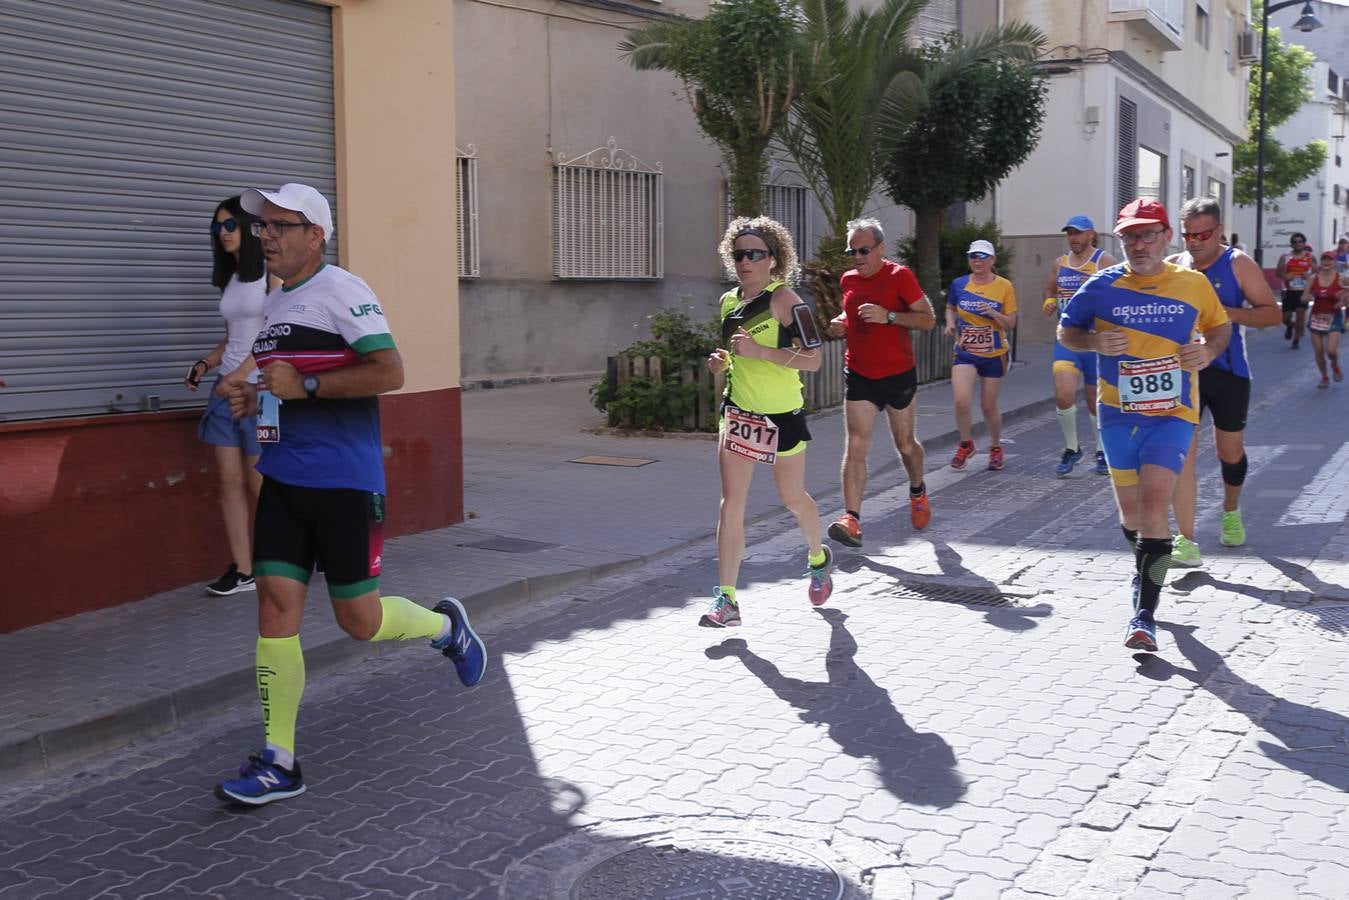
{"x":229,"y":225}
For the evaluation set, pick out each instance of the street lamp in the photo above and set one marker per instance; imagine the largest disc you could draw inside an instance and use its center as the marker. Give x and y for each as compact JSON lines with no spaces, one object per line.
{"x":1307,"y":22}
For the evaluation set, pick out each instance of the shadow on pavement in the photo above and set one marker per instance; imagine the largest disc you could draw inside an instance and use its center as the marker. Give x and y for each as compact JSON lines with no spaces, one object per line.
{"x":915,"y":767}
{"x":955,"y":579}
{"x":1315,"y":741}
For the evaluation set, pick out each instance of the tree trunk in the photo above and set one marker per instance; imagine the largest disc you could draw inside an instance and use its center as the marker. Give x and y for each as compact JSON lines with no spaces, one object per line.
{"x":746,"y":171}
{"x":927,"y":223}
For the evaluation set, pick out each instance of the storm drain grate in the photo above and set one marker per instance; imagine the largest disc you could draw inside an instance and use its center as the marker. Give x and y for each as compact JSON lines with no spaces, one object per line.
{"x":711,"y":868}
{"x":1328,"y":621}
{"x":966,"y":595}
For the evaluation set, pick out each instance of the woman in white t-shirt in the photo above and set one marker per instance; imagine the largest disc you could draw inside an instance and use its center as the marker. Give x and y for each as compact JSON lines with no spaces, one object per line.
{"x":240,"y":275}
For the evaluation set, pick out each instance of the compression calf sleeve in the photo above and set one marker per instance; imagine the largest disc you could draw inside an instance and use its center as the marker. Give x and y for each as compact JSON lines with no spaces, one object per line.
{"x":1068,"y":425}
{"x":280,"y":673}
{"x":404,"y":620}
{"x":1234,"y":474}
{"x":1153,"y":558}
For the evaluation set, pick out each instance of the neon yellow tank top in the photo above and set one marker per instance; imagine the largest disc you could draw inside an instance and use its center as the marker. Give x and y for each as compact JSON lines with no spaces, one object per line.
{"x":758,"y":385}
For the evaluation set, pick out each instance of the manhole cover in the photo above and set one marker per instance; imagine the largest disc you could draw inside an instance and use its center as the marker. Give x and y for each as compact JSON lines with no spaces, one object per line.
{"x":629,"y":461}
{"x":968,"y":595}
{"x":1327,"y":621}
{"x":710,"y":868}
{"x":511,"y":545}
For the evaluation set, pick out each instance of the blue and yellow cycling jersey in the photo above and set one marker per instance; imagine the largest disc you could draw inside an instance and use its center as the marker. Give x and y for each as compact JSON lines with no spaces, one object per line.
{"x":1159,"y":314}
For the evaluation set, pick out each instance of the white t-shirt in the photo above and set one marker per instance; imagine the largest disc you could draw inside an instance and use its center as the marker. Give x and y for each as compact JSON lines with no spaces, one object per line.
{"x":241,"y":306}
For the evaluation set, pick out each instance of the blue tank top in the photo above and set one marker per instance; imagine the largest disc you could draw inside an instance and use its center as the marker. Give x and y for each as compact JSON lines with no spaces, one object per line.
{"x":1224,"y":282}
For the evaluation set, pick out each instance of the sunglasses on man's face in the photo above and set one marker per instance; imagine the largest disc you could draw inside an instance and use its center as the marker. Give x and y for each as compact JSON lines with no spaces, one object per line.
{"x":978,"y":256}
{"x":751,"y":255}
{"x":1198,"y":235}
{"x":861,"y":251}
{"x":229,"y":225}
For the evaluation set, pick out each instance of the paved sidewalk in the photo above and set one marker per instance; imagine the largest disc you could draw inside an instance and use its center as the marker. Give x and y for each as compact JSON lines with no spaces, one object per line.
{"x":538,"y":524}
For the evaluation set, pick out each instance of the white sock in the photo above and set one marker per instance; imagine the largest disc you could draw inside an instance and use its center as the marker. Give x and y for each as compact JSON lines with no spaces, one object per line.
{"x":1068,"y":425}
{"x":444,"y":629}
{"x":282,"y":757}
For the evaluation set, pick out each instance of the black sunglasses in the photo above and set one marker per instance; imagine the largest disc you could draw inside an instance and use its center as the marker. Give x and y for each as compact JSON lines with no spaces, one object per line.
{"x":229,"y":225}
{"x":860,"y":251}
{"x":751,"y":255}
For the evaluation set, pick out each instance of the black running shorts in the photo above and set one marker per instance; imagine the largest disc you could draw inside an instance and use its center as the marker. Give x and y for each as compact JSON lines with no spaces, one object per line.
{"x":895,"y":391}
{"x":296,"y":527}
{"x":1226,"y":396}
{"x":1291,"y":301}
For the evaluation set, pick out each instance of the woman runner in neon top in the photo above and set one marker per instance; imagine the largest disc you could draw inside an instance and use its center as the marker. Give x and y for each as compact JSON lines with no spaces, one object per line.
{"x":763,"y":419}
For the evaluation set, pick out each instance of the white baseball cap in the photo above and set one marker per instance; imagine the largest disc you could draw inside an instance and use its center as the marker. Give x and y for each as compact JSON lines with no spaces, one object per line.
{"x":300,"y":198}
{"x":979,"y":247}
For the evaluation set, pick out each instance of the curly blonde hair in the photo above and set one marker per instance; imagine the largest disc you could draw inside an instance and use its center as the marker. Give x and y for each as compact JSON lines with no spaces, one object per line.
{"x":774,"y":234}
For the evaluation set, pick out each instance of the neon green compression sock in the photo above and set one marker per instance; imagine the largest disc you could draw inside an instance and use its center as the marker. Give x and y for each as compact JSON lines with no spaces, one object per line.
{"x":406,"y":621}
{"x":280,"y":671}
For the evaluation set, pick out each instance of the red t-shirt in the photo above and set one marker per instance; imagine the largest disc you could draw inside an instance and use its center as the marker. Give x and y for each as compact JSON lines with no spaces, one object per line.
{"x":879,"y":351}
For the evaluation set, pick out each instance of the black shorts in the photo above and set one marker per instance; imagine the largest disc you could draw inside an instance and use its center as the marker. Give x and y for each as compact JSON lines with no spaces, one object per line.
{"x":1227,"y":397}
{"x":1291,"y":302}
{"x":893,"y":390}
{"x":298,"y":526}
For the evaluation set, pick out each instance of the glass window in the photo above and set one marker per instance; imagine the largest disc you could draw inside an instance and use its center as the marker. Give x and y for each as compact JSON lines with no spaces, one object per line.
{"x":1201,"y":26}
{"x":1151,"y":174}
{"x":1187,"y":182}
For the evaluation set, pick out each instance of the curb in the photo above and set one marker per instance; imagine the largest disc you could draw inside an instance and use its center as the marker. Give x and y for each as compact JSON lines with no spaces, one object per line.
{"x":59,"y":748}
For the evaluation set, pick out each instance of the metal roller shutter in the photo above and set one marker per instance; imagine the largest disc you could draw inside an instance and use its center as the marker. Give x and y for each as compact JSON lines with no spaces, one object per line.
{"x":938,"y":19}
{"x":122,"y":124}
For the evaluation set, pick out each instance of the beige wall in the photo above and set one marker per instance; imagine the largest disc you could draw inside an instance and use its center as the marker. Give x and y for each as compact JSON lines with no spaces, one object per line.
{"x":394,"y":97}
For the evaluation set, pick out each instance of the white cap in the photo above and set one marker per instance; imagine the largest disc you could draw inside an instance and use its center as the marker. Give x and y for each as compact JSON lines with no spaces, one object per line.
{"x":977,"y":247}
{"x":300,"y":198}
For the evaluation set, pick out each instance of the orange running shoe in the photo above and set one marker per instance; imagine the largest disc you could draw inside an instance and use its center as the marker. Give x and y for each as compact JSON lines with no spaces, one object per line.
{"x":964,"y":450}
{"x":847,"y":531}
{"x":920,"y":510}
{"x":995,"y":458}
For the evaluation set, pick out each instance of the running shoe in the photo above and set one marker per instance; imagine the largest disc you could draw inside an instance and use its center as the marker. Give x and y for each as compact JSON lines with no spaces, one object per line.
{"x":1296,"y":341}
{"x":995,"y":458}
{"x":1070,"y":459}
{"x":821,"y":585}
{"x":232,"y":582}
{"x":847,"y":530}
{"x":1185,"y":553}
{"x":462,"y":645}
{"x":1234,"y":532}
{"x":964,"y":450}
{"x":1288,"y":332}
{"x":1102,"y":467}
{"x":261,"y":781}
{"x":723,"y":613}
{"x":1324,"y":382}
{"x":1142,"y":632}
{"x":1335,"y":370}
{"x":920,"y":510}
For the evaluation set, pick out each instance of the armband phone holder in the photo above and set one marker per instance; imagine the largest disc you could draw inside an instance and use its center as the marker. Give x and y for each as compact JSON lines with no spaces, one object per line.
{"x":804,"y":320}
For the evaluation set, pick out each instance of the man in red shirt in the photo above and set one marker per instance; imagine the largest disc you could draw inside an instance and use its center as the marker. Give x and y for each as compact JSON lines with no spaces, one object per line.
{"x":881,"y":302}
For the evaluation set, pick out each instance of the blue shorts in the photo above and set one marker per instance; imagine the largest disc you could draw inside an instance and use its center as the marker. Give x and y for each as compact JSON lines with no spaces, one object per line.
{"x":218,"y":428}
{"x":1162,"y":442}
{"x":986,"y":366}
{"x":1071,"y":359}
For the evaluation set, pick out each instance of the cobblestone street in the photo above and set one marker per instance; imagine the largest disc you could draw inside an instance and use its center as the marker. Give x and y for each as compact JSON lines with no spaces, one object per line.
{"x":960,"y":720}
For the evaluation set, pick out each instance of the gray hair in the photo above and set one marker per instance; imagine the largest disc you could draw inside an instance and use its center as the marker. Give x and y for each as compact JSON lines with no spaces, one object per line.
{"x":1202,"y":206}
{"x":872,"y":225}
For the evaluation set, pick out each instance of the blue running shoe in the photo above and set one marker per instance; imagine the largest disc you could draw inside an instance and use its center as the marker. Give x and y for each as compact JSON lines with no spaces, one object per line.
{"x":1142,"y":632}
{"x":462,"y":645}
{"x":1070,"y":459}
{"x":1102,"y":467}
{"x":261,"y":781}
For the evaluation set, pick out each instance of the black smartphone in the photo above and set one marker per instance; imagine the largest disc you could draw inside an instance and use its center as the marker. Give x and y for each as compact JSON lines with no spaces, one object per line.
{"x":806,"y":328}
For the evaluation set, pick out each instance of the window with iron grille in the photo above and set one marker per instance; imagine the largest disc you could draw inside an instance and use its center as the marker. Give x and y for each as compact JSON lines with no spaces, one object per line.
{"x":466,"y":210}
{"x":786,"y":201}
{"x":608,"y":216}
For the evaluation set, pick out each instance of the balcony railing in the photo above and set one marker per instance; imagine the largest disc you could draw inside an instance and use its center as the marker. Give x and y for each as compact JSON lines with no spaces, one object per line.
{"x":1161,"y":21}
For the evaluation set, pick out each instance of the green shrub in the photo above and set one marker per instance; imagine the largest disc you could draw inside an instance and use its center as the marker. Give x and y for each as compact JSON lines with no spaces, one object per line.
{"x":677,"y":339}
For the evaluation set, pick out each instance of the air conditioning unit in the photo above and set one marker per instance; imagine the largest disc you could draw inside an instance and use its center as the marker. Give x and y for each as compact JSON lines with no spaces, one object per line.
{"x":1248,"y":46}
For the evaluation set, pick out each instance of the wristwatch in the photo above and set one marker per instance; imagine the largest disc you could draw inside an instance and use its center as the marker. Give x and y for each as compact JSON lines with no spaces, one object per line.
{"x":311,"y":386}
{"x":890,"y":317}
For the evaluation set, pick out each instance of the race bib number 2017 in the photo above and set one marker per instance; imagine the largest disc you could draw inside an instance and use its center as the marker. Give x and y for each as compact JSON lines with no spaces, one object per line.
{"x":1149,"y":385}
{"x":751,"y":435}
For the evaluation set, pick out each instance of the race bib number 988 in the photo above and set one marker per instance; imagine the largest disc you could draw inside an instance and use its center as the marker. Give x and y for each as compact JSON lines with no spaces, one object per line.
{"x":1149,"y":385}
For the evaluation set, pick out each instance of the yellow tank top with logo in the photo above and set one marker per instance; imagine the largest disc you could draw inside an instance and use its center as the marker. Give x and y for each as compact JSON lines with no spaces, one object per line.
{"x":758,"y":385}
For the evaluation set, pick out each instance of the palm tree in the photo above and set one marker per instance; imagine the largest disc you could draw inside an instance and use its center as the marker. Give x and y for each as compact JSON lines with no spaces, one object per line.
{"x":740,"y":69}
